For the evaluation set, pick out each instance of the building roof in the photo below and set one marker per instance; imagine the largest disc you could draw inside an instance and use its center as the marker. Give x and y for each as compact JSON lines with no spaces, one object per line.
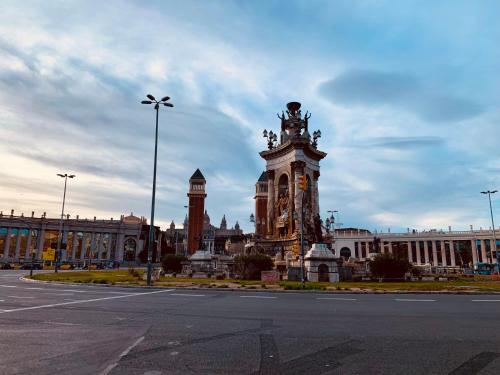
{"x":263,"y":177}
{"x":197,"y":175}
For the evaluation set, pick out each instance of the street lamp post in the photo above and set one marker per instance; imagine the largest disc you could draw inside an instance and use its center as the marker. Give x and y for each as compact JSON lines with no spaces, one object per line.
{"x":59,"y":239}
{"x":157,"y":103}
{"x":489,"y":192}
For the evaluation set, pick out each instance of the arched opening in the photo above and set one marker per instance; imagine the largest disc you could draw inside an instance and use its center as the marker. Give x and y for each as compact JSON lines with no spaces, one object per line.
{"x":323,"y":272}
{"x":345,"y":252}
{"x":129,"y":250}
{"x":282,"y":206}
{"x":283,"y":184}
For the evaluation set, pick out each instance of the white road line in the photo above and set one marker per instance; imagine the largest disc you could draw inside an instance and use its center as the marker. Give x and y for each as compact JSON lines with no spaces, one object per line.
{"x":264,"y":297}
{"x":2,"y":300}
{"x":83,"y":301}
{"x":8,"y":286}
{"x":61,"y":294}
{"x":486,"y":300}
{"x":187,"y":295}
{"x":108,"y":369}
{"x":414,"y":300}
{"x":36,"y":288}
{"x":20,"y":297}
{"x":338,"y":299}
{"x":74,"y":290}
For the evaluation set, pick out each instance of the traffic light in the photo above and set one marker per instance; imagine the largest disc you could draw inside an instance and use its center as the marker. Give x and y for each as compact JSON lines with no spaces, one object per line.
{"x":302,"y":183}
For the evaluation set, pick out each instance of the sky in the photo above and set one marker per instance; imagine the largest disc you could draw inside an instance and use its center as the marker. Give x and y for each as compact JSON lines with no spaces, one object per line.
{"x":405,"y":93}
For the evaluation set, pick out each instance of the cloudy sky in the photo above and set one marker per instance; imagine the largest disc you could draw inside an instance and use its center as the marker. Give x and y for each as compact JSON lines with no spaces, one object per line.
{"x":406,"y":94}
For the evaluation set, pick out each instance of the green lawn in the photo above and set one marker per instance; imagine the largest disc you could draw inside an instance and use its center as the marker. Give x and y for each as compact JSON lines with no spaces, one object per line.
{"x":135,"y":277}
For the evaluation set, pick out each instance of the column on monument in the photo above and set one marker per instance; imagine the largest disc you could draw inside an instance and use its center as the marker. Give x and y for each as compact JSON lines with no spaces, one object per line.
{"x":270,"y":204}
{"x":297,"y":169}
{"x":443,"y":253}
{"x":410,"y":252}
{"x":492,"y":249}
{"x":484,"y":258}
{"x":434,"y":253}
{"x":315,"y":197}
{"x":6,"y":245}
{"x":18,"y":244}
{"x":382,"y":248}
{"x":119,"y":246}
{"x":367,"y":248}
{"x":473,"y":246}
{"x":41,"y":239}
{"x":28,"y":245}
{"x":452,"y":253}
{"x":390,"y":247}
{"x":92,"y":246}
{"x":75,"y":246}
{"x":426,"y":252}
{"x":417,"y":247}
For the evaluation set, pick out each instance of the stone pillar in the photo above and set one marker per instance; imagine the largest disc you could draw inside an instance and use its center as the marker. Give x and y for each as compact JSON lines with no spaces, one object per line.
{"x":390,"y":247}
{"x":270,"y":208}
{"x":28,"y":244}
{"x":120,"y":239}
{"x":6,"y":245}
{"x":297,"y":168}
{"x":75,"y":246}
{"x":110,"y":243}
{"x":443,"y":253}
{"x":426,"y":251}
{"x":18,"y":245}
{"x":83,"y":247}
{"x":452,"y":253}
{"x":492,"y":249}
{"x":410,"y":252}
{"x":434,"y":253}
{"x":315,"y":193}
{"x":41,"y":239}
{"x":100,"y":246}
{"x":473,"y":246}
{"x":484,"y":258}
{"x":367,"y":249}
{"x":417,"y":247}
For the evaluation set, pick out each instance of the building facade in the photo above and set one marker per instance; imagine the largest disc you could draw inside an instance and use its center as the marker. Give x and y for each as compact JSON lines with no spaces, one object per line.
{"x":25,"y":238}
{"x":434,"y":248}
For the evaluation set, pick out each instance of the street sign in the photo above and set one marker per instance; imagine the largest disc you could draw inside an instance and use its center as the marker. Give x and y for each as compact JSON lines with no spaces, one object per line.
{"x":49,"y":254}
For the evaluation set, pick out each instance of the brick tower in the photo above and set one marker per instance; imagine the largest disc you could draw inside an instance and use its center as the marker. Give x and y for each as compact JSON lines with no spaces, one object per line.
{"x":261,"y":205}
{"x":197,"y":197}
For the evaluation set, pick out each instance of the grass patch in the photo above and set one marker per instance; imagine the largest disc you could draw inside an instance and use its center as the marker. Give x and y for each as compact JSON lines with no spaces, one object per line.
{"x":94,"y":277}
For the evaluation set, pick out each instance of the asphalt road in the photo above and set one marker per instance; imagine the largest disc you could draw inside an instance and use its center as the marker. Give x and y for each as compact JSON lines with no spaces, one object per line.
{"x":63,"y":329}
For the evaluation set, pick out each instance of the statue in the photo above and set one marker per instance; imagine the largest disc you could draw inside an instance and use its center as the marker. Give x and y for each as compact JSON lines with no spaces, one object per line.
{"x":318,"y":233}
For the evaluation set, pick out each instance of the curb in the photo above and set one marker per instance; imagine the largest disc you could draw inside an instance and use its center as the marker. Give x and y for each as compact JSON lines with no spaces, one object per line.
{"x":246,"y":290}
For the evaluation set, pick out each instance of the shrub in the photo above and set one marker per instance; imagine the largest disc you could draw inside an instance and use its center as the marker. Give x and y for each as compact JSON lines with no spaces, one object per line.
{"x":250,"y":266}
{"x":133,"y":272}
{"x":386,"y":266}
{"x":173,"y":263}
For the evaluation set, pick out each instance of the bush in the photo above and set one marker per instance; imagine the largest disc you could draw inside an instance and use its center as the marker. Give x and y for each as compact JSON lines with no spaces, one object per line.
{"x":386,"y":266}
{"x":250,"y":266}
{"x":133,"y":272}
{"x":172,"y":263}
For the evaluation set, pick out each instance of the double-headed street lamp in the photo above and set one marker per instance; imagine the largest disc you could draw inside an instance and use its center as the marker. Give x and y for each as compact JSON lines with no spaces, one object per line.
{"x":157,"y":104}
{"x":489,"y":192}
{"x":59,"y":238}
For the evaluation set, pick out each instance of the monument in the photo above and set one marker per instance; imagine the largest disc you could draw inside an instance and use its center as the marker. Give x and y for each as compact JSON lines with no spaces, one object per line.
{"x":291,"y":153}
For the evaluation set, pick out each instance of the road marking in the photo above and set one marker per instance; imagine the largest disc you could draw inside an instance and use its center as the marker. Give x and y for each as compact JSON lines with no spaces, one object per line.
{"x":108,"y":369}
{"x":61,"y":294}
{"x":83,"y":301}
{"x":36,"y":288}
{"x":2,"y":300}
{"x":486,"y":300}
{"x":414,"y":300}
{"x":338,"y":299}
{"x":265,"y":297}
{"x":187,"y":295}
{"x":20,"y":297}
{"x":8,"y":286}
{"x":74,"y":290}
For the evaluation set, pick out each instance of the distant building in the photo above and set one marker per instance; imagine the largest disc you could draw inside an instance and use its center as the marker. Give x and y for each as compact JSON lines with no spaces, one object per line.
{"x":22,"y":238}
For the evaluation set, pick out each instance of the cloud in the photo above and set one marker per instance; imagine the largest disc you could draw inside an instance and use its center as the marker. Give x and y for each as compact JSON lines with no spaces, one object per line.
{"x":399,"y":90}
{"x":403,"y":142}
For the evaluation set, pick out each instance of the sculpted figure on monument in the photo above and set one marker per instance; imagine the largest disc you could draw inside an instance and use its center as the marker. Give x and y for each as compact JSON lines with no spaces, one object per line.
{"x":318,"y":233}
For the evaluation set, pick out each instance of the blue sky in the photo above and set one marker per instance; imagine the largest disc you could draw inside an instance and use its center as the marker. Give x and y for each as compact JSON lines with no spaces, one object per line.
{"x":405,"y":93}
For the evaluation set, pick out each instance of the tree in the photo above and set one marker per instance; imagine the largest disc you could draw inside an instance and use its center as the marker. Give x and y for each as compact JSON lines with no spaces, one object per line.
{"x":173,"y":263}
{"x":386,"y":266}
{"x":250,"y":266}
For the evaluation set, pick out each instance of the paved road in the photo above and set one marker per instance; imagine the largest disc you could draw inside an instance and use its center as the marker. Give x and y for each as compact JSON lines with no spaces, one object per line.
{"x":61,"y":329}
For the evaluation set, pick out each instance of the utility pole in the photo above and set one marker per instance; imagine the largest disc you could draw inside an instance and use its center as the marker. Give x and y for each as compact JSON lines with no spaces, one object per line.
{"x":59,"y":237}
{"x":494,"y":234}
